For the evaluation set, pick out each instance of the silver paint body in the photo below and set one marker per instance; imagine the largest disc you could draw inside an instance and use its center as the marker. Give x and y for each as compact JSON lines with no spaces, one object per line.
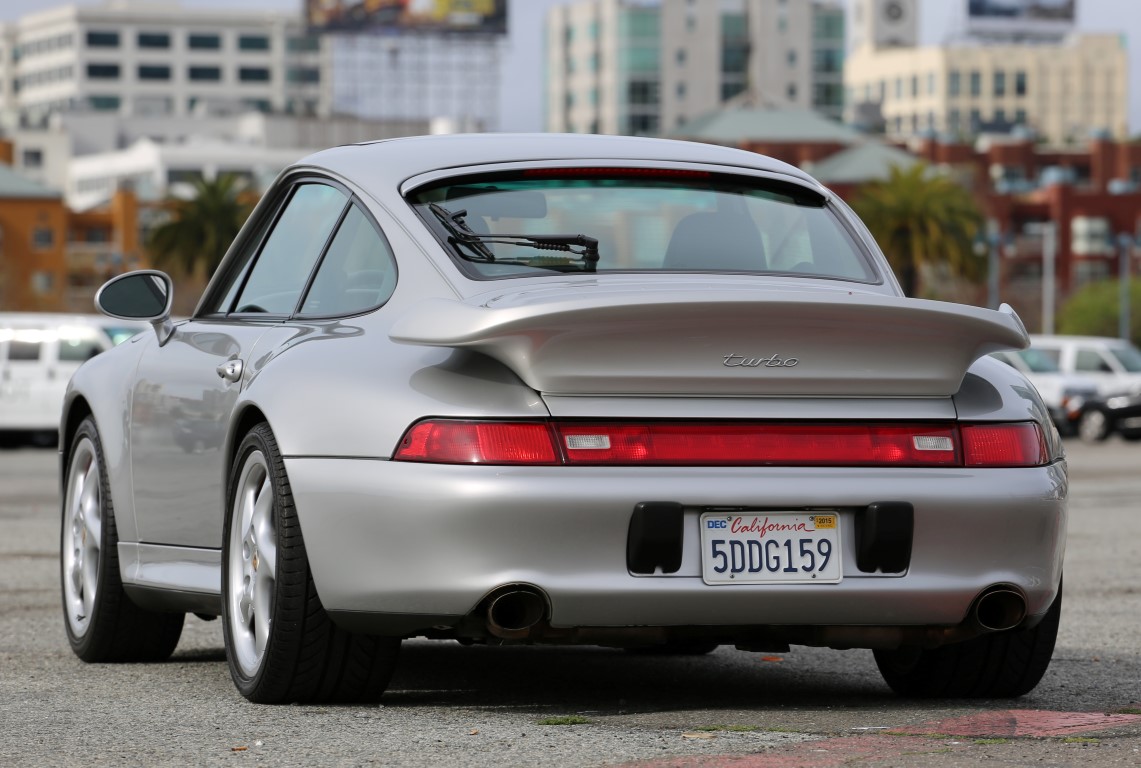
{"x":397,"y":539}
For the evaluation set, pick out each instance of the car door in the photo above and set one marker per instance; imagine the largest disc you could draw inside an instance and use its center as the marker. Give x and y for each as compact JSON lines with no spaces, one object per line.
{"x":187,"y":388}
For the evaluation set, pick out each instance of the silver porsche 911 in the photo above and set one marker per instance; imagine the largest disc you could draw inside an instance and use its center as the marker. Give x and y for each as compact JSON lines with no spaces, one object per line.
{"x":652,"y":395}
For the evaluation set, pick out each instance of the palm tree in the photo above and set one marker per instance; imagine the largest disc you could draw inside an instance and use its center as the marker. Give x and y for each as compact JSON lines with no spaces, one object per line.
{"x":922,"y":221}
{"x":201,"y":227}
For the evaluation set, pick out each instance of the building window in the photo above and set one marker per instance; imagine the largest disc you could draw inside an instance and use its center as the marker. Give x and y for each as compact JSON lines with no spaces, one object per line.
{"x":680,"y":57}
{"x":1020,"y":117}
{"x":253,"y":43}
{"x":791,"y":91}
{"x":201,"y":41}
{"x":307,"y":75}
{"x":253,"y":74}
{"x":1000,"y":83}
{"x":102,"y":39}
{"x":953,"y":126}
{"x":154,"y":72}
{"x":976,"y":120}
{"x":154,"y":40}
{"x":954,"y":83}
{"x":33,"y":158}
{"x":681,"y":91}
{"x":899,"y":88}
{"x":104,"y":103}
{"x":792,"y":57}
{"x":915,"y":86}
{"x":976,"y":83}
{"x":103,"y":71}
{"x":200,"y":74}
{"x":931,"y":84}
{"x":1019,"y":83}
{"x":42,"y":238}
{"x":303,"y":44}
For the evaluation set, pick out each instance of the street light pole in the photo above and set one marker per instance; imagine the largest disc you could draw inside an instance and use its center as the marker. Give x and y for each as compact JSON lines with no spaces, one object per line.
{"x":1049,"y":291}
{"x":1125,"y":244}
{"x":993,"y":265}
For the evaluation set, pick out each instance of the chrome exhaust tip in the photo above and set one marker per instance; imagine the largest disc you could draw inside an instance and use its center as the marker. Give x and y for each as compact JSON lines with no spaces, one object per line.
{"x":514,"y":611}
{"x":999,"y":609}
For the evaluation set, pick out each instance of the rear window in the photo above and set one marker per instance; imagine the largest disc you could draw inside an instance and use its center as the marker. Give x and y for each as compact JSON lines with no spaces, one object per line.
{"x":637,"y":220}
{"x":24,"y":351}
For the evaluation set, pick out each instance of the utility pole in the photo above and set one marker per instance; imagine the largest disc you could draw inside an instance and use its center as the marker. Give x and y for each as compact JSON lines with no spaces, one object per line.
{"x":1125,"y":245}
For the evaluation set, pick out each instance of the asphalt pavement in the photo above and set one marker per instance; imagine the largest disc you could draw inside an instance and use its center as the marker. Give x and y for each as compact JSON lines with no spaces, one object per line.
{"x":451,"y":705}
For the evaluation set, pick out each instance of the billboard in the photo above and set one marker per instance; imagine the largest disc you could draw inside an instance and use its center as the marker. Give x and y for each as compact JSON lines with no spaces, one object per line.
{"x":1021,"y":17}
{"x":399,"y":16}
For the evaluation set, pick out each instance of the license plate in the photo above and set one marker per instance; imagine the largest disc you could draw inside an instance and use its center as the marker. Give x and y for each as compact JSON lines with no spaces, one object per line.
{"x":770,"y":548}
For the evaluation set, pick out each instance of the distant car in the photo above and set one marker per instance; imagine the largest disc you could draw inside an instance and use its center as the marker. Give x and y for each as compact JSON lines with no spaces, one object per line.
{"x":1114,"y":365}
{"x":1100,"y":417}
{"x":560,"y":389}
{"x":38,"y":354}
{"x":1063,"y":393}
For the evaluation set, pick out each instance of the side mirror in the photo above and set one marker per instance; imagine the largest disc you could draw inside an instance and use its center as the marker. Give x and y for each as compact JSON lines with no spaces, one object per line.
{"x":143,"y":295}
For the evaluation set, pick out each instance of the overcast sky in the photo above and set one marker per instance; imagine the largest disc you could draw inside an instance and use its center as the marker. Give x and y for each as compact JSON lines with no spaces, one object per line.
{"x":522,"y":105}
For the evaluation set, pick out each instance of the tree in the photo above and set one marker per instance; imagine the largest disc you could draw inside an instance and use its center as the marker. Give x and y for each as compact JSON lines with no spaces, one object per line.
{"x":922,"y":221}
{"x":202,"y":226}
{"x":1095,"y":310}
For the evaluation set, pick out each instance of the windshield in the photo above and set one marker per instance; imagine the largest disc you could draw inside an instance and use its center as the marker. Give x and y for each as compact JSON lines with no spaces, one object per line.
{"x":644,"y":220}
{"x":1129,"y":357}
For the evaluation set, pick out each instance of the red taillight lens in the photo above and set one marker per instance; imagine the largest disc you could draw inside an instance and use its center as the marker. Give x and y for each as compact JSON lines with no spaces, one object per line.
{"x":445,"y":441}
{"x":1003,"y":445}
{"x":478,"y":442}
{"x":699,"y":444}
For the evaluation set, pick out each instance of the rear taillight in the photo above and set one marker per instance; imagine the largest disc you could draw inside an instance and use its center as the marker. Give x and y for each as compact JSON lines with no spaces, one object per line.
{"x":478,"y":442}
{"x":1003,"y":445}
{"x":447,"y":441}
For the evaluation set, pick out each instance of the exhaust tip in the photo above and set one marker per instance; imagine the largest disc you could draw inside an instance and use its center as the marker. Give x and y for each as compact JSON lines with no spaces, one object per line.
{"x":1000,"y":609}
{"x":515,"y":610}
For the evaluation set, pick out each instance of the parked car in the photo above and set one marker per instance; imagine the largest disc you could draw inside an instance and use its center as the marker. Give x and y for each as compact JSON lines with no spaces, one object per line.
{"x":1113,"y":364}
{"x":38,"y":354}
{"x":1063,"y":393}
{"x":560,"y":389}
{"x":1100,"y":417}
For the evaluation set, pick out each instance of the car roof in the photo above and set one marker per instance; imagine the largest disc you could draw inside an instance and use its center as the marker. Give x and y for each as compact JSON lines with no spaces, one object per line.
{"x":403,"y":158}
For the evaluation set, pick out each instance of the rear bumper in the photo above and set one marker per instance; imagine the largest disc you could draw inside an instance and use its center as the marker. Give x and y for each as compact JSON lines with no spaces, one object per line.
{"x":410,"y":540}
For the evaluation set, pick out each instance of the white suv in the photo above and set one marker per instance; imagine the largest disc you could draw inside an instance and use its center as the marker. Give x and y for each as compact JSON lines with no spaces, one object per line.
{"x":1114,"y":365}
{"x":1063,"y":393}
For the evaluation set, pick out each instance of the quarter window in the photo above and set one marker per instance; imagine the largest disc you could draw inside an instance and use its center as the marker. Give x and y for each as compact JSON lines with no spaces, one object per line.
{"x":357,"y":273}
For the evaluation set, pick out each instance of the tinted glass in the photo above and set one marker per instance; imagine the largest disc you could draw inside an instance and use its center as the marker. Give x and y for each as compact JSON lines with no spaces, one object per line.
{"x":24,"y":351}
{"x":138,"y":296}
{"x":78,"y":350}
{"x":1091,"y":361}
{"x":1129,"y":358}
{"x":646,"y":220}
{"x":291,"y":249}
{"x":357,"y":273}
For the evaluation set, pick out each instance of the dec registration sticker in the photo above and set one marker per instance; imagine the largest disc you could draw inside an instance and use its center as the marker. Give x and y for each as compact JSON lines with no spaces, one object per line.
{"x":770,"y":548}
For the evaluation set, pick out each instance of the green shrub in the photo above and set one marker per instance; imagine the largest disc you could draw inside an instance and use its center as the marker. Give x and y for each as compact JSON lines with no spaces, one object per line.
{"x":1094,"y":310}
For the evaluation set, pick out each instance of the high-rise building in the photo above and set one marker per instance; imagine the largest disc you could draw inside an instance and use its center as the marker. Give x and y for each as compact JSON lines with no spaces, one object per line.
{"x":992,"y":77}
{"x":140,"y":58}
{"x":620,"y":66}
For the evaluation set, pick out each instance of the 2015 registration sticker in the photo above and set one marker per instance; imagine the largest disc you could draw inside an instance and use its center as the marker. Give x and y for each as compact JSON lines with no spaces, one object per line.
{"x":770,"y":548}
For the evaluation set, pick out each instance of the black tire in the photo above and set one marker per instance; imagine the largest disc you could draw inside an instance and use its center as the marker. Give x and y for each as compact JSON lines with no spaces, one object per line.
{"x":102,"y":623}
{"x":304,"y":656}
{"x":998,"y":665}
{"x":1094,"y":426}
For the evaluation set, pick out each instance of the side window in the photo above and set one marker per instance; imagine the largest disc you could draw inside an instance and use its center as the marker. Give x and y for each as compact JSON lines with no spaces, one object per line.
{"x":24,"y":351}
{"x":1090,"y":361}
{"x":357,"y":273}
{"x":292,"y":248}
{"x":77,"y":350}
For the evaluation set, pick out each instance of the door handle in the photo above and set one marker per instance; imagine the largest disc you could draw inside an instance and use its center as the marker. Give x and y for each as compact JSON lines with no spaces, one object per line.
{"x":230,"y":370}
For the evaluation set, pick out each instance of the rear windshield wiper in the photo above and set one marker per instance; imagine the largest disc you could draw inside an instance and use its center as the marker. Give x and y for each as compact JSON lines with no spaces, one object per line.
{"x":581,"y":246}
